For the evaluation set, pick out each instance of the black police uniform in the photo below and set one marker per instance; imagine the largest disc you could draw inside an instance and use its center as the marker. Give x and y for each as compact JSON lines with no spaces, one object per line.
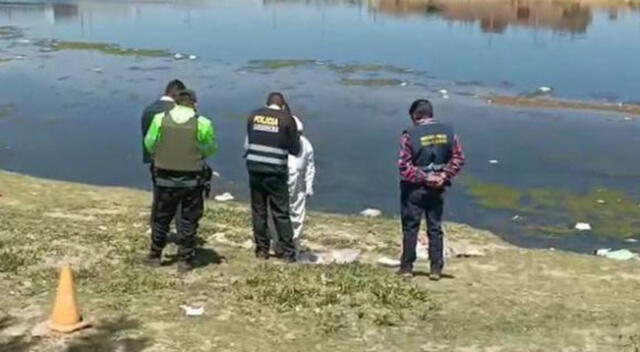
{"x":160,"y":105}
{"x":272,"y":135}
{"x":432,"y":146}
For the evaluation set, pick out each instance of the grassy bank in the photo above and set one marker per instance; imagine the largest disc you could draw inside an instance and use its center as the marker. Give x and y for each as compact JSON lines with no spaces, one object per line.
{"x":510,"y":300}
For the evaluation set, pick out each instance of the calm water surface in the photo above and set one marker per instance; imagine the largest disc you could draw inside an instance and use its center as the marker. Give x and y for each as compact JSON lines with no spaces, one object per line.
{"x":74,"y":115}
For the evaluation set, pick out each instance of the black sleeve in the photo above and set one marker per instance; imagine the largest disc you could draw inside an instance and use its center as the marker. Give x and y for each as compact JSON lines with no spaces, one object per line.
{"x":146,"y":121}
{"x":293,"y":137}
{"x":147,"y":117}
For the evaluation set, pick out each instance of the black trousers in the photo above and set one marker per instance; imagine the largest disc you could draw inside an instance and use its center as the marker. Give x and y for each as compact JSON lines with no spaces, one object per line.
{"x":178,"y":215}
{"x":417,"y":201}
{"x":271,"y":190}
{"x":166,"y":201}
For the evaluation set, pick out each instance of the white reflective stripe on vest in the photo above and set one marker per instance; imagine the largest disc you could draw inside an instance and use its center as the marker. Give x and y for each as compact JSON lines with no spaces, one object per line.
{"x":266,"y":159}
{"x":266,"y":149}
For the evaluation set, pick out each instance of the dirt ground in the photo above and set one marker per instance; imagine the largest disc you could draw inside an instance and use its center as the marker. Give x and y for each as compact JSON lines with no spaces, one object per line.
{"x":510,"y":299}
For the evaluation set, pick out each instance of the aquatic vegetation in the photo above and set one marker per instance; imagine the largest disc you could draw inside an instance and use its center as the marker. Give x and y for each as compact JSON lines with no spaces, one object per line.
{"x":611,"y":212}
{"x":105,"y":48}
{"x":10,"y":32}
{"x":532,"y":102}
{"x":494,"y":196}
{"x":6,"y":110}
{"x":371,"y":82}
{"x":358,"y":68}
{"x":258,"y":65}
{"x":345,"y":69}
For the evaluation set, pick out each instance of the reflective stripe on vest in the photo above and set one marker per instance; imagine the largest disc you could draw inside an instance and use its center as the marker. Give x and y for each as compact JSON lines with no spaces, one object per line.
{"x":266,"y":154}
{"x":267,"y":149}
{"x":266,"y":159}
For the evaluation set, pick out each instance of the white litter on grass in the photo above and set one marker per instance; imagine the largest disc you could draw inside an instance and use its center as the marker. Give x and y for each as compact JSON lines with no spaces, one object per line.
{"x":622,"y":254}
{"x":225,"y":197}
{"x":516,"y":218}
{"x":342,"y":256}
{"x":631,"y":240}
{"x":544,"y":89}
{"x":443,"y":92}
{"x":601,"y":201}
{"x":192,"y":311}
{"x":96,"y":70}
{"x":404,"y":84}
{"x":337,"y":256}
{"x":388,"y":262}
{"x":19,"y":57}
{"x":193,"y":57}
{"x":583,"y":226}
{"x":493,"y":161}
{"x":371,"y":213}
{"x":422,"y":251}
{"x":178,"y":56}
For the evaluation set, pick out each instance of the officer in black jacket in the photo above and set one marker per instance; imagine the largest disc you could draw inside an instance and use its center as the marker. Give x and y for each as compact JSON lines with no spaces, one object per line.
{"x":164,"y":104}
{"x":271,"y":136}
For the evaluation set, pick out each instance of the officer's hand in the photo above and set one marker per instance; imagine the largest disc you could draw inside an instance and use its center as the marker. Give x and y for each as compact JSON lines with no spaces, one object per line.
{"x":436,"y":180}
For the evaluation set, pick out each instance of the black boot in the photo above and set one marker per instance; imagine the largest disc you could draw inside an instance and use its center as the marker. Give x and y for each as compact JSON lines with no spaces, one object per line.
{"x":436,"y":272}
{"x":262,"y":255}
{"x":405,"y":273}
{"x":153,"y":259}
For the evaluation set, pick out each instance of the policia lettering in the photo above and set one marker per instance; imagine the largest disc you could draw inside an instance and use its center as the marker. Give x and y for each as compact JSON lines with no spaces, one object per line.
{"x":265,"y":124}
{"x":178,"y":141}
{"x":271,"y":136}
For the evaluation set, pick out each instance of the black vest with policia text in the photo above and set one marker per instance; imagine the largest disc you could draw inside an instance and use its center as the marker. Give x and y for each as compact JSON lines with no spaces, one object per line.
{"x":432,"y":145}
{"x":272,"y":135}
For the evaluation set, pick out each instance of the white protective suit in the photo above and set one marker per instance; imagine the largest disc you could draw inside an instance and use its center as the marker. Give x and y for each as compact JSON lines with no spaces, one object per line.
{"x":302,"y":171}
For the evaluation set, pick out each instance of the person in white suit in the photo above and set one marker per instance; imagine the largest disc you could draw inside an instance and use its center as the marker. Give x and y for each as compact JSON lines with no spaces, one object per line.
{"x":302,"y":172}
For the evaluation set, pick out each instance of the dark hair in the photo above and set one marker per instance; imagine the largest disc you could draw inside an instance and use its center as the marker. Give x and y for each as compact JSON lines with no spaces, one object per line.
{"x":421,"y":108}
{"x":276,"y":98}
{"x":186,"y":97}
{"x":174,"y":86}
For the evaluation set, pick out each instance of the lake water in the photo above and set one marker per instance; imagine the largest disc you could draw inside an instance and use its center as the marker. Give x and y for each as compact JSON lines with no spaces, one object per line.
{"x":74,"y":114}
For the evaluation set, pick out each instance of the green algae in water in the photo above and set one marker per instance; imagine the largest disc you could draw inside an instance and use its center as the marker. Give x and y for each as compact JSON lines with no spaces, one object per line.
{"x":358,"y":68}
{"x":10,"y":32}
{"x":276,"y":64}
{"x":611,"y":212}
{"x":109,"y":49}
{"x":493,"y":196}
{"x":372,"y":82}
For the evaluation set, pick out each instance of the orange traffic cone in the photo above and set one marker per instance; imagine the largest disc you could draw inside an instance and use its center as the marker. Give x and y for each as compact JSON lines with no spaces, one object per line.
{"x":66,"y":316}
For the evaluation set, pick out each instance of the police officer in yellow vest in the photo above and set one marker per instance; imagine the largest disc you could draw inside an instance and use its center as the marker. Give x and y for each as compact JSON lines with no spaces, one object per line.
{"x":179,"y":141}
